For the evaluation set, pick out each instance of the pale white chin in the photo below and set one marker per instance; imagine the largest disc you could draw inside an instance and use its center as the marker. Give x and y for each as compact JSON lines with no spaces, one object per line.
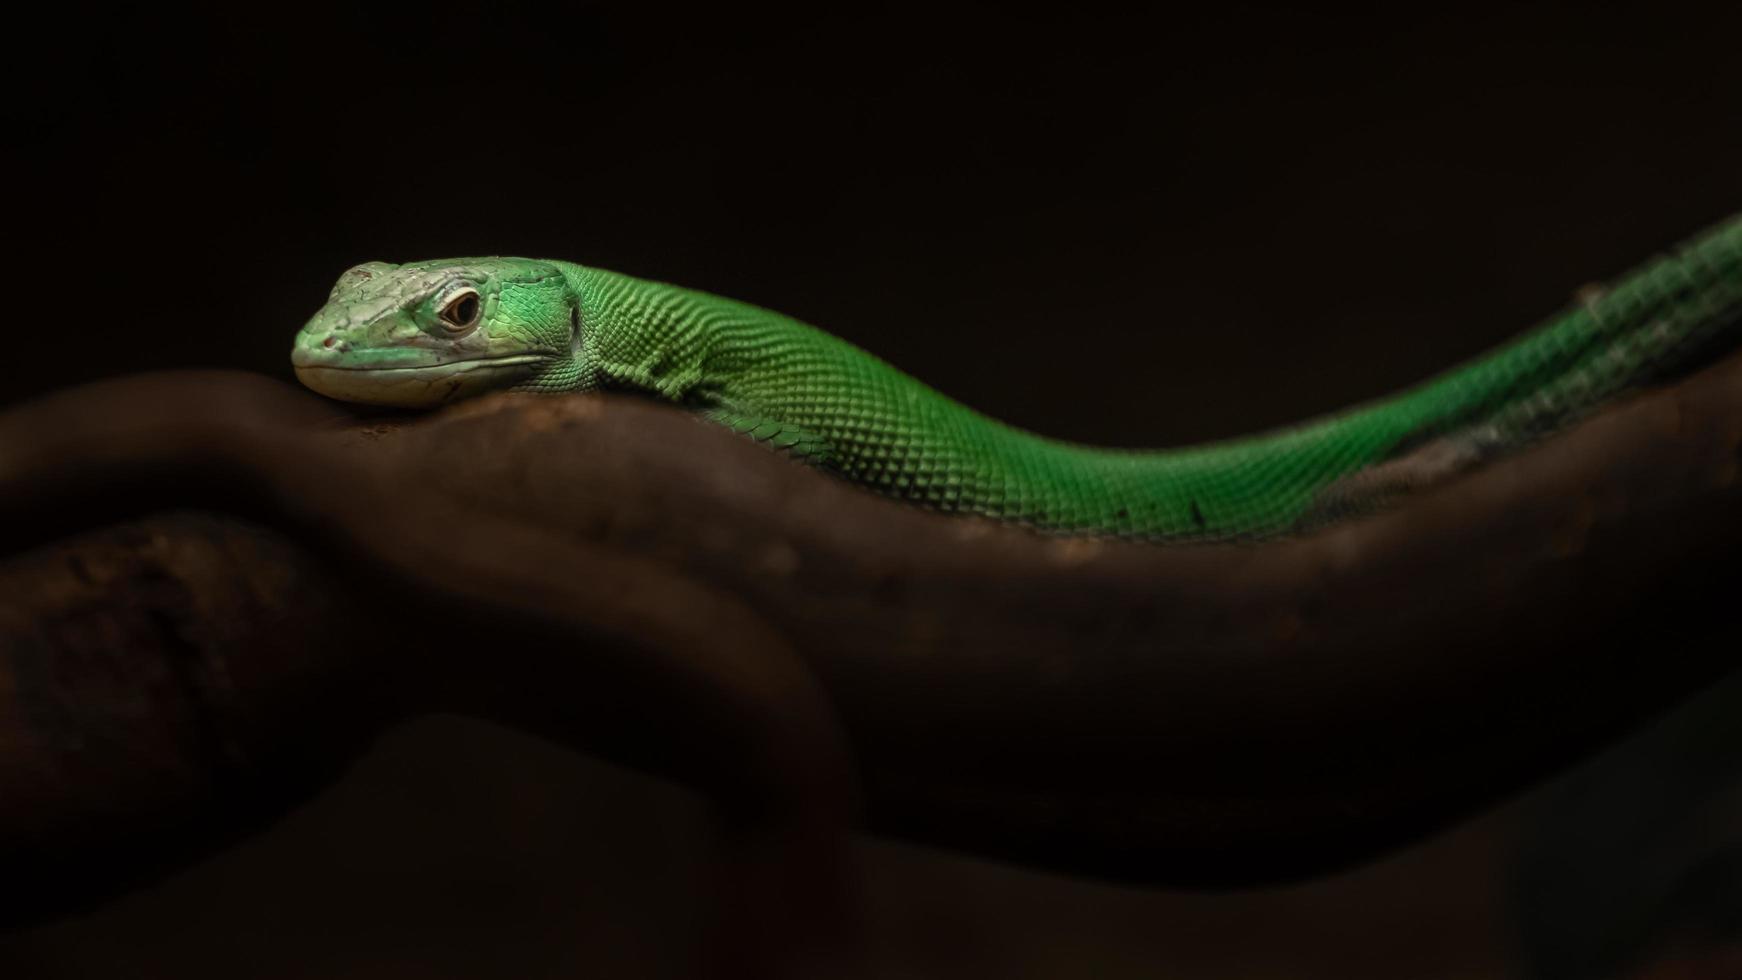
{"x":421,"y":387}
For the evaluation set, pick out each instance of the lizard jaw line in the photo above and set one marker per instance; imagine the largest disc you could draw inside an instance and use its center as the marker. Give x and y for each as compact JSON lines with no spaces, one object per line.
{"x":419,"y":386}
{"x":431,"y":370}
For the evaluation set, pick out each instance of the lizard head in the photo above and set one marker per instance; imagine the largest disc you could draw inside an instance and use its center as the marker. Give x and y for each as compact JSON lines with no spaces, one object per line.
{"x":425,"y":333}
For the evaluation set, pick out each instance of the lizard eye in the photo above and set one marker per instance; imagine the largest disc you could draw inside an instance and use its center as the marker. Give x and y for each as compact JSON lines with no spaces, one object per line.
{"x":461,"y":311}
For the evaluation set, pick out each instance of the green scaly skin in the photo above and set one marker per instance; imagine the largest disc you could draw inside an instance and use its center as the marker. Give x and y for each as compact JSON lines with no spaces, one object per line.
{"x":542,"y":326}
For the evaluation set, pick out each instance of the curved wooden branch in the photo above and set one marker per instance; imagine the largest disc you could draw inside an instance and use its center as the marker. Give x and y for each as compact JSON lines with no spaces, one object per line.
{"x":1217,"y":714}
{"x":402,"y":601}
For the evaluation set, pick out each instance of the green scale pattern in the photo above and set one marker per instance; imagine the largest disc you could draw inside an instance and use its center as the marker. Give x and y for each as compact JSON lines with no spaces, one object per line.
{"x":823,"y":400}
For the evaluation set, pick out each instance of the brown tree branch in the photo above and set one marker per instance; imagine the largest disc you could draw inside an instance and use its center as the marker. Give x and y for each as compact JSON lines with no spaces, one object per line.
{"x":648,"y":587}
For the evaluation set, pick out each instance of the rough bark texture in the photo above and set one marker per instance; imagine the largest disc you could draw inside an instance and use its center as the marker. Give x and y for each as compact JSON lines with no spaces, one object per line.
{"x":648,"y":587}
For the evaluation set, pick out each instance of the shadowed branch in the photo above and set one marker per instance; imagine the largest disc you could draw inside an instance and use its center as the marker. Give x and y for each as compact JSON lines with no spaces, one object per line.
{"x":639,"y":584}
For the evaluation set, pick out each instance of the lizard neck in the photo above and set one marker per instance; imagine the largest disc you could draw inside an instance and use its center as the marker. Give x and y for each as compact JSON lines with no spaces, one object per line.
{"x":644,"y":336}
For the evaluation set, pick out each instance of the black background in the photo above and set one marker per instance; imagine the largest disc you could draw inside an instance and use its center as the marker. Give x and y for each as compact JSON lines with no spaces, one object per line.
{"x":1138,"y":229}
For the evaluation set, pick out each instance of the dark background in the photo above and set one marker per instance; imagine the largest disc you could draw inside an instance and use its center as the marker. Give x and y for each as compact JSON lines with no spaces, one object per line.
{"x":1139,"y":229}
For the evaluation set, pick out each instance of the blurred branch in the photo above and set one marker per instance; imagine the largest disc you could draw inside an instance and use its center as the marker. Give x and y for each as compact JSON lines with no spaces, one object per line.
{"x":650,"y":588}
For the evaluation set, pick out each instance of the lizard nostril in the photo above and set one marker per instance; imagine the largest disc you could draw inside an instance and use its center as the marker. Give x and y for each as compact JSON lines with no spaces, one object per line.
{"x":328,"y":342}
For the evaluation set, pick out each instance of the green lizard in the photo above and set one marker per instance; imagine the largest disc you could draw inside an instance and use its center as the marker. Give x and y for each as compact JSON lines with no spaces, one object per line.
{"x":425,"y":333}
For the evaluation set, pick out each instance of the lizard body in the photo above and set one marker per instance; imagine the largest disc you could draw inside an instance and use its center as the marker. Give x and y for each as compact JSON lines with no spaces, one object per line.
{"x":425,"y":333}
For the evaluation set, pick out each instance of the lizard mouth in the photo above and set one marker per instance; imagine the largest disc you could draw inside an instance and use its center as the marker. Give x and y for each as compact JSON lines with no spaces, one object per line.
{"x":418,"y":386}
